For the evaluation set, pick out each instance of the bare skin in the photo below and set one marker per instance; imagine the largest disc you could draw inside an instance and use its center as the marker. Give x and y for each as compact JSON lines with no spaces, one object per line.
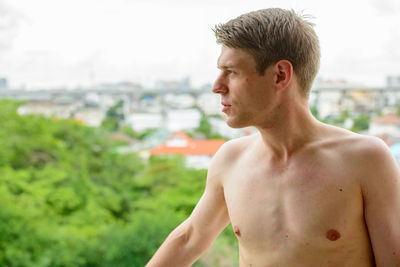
{"x":306,"y":212}
{"x":298,"y":193}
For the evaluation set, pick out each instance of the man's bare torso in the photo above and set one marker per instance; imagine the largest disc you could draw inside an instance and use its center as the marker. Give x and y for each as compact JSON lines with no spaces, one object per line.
{"x":307,"y":211}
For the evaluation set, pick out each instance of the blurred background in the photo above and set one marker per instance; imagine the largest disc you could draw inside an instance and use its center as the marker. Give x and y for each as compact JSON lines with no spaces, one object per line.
{"x":108,"y":123}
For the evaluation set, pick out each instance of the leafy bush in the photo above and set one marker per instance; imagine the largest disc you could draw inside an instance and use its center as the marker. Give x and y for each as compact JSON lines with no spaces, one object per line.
{"x":68,"y":199}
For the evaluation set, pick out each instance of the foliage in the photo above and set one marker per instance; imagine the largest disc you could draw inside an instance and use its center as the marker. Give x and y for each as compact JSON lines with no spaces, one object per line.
{"x":116,"y":111}
{"x":145,"y":133}
{"x":110,"y":124}
{"x":114,"y":115}
{"x":205,"y":128}
{"x":129,"y":131}
{"x":344,"y":114}
{"x":361,"y":123}
{"x":68,"y":199}
{"x":314,"y":111}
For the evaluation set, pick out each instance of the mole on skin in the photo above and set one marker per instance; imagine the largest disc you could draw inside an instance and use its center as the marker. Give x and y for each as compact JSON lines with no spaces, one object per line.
{"x":236,"y":230}
{"x":332,"y":235}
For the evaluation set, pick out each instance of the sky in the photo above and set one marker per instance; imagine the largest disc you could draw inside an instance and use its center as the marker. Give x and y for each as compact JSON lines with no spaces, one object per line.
{"x":74,"y":43}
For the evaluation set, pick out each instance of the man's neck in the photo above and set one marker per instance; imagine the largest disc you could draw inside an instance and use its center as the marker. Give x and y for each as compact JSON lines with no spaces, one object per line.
{"x":296,"y":128}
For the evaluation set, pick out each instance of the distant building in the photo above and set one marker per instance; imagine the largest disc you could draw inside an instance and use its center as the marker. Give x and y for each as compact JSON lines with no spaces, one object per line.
{"x":126,"y":86}
{"x":90,"y":116}
{"x":219,"y":126}
{"x":386,"y":125}
{"x":150,"y":104}
{"x":172,"y":120}
{"x":3,"y":84}
{"x":179,"y":100}
{"x":145,"y":121}
{"x":156,"y":138}
{"x":209,"y":103}
{"x":184,"y":84}
{"x":143,"y":147}
{"x":329,"y":97}
{"x":183,"y":119}
{"x":49,"y":108}
{"x":328,"y":103}
{"x":198,"y":153}
{"x":92,"y":99}
{"x":393,"y":81}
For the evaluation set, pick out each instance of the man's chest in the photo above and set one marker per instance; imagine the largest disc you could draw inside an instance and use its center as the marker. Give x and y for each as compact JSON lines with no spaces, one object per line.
{"x":316,"y":203}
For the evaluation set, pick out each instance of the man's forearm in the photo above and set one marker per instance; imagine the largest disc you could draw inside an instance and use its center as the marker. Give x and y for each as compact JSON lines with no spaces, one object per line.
{"x":177,"y":250}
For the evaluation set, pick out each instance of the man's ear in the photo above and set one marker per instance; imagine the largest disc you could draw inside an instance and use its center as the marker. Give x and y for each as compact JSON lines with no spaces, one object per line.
{"x":283,"y":74}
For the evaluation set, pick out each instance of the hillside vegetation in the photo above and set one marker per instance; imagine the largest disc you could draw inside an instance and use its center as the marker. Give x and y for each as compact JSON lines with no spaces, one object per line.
{"x":67,"y":198}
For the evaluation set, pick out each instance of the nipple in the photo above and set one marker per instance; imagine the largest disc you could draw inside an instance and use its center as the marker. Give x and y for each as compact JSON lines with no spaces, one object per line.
{"x":236,"y":230}
{"x":332,"y":235}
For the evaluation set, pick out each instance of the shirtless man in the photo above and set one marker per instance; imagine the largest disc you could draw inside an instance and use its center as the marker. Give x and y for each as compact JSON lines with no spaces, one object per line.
{"x":300,"y":192}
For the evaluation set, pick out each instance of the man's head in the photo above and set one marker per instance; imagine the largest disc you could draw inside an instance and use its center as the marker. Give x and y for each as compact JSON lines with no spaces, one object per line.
{"x":273,"y":34}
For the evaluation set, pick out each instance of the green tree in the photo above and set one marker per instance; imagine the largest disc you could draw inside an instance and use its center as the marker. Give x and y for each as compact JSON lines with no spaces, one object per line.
{"x":361,"y":123}
{"x":204,"y":126}
{"x":314,"y":112}
{"x":68,"y":199}
{"x":114,"y":117}
{"x":344,"y":114}
{"x":129,"y":131}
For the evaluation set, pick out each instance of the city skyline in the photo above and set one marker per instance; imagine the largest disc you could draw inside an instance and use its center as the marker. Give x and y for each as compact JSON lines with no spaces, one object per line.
{"x":74,"y":43}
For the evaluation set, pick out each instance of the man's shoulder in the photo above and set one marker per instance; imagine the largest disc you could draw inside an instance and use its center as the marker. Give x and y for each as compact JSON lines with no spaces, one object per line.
{"x":232,"y":150}
{"x":372,"y":154}
{"x":235,"y":147}
{"x":361,"y":151}
{"x":343,"y":141}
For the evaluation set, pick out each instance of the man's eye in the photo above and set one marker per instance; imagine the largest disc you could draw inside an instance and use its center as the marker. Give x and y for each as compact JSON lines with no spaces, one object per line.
{"x":229,"y":72}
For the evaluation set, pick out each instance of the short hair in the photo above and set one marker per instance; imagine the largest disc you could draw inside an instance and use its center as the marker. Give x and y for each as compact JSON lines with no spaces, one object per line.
{"x":273,"y":34}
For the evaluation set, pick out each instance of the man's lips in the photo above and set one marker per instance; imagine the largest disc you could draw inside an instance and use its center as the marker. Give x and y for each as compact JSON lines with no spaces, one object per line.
{"x":226,"y":107}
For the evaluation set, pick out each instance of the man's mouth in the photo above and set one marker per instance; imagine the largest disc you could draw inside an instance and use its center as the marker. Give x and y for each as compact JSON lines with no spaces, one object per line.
{"x":226,"y":107}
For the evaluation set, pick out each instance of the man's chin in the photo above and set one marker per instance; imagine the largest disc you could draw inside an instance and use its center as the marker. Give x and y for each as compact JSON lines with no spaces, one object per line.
{"x":235,"y":124}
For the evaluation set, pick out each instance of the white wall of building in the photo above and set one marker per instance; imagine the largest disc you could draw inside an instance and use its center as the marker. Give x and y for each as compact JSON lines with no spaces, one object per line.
{"x":209,"y":103}
{"x":48,"y":109}
{"x":378,"y":129}
{"x":180,"y":101}
{"x":183,"y":119}
{"x":90,"y":117}
{"x":328,"y":103}
{"x":219,"y":126}
{"x":198,"y":162}
{"x":144,"y":121}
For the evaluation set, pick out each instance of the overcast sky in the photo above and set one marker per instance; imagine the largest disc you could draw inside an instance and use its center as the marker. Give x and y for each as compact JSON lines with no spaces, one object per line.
{"x":53,"y":43}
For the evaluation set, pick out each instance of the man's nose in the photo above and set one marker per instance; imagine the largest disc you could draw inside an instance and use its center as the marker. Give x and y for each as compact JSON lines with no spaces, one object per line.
{"x":219,"y":86}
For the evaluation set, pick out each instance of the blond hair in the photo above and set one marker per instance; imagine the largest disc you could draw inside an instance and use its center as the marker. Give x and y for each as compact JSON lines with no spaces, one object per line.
{"x":273,"y":34}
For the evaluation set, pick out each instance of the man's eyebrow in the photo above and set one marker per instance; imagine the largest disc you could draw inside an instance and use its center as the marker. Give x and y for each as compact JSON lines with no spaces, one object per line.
{"x":226,"y":66}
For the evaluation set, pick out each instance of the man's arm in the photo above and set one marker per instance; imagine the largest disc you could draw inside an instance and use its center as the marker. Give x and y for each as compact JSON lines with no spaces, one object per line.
{"x":190,"y":239}
{"x":381,"y":192}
